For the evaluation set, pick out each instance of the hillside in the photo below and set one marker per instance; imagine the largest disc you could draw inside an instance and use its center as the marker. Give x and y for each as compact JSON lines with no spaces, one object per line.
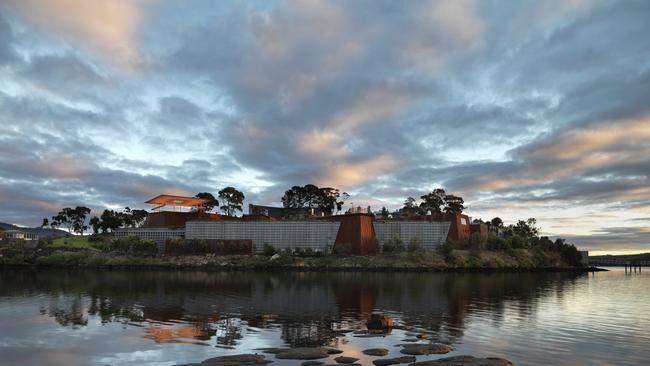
{"x":41,"y":232}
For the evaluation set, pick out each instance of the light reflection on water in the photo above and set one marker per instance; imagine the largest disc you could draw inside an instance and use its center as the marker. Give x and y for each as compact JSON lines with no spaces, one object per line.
{"x":161,"y":318}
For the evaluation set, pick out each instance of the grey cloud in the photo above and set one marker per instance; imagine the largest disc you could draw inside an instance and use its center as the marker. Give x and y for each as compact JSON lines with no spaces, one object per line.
{"x":495,"y":101}
{"x":7,"y":51}
{"x":615,"y":238}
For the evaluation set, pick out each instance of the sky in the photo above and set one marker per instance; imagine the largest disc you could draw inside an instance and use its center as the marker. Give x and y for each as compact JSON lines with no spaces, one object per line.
{"x":524,"y":108}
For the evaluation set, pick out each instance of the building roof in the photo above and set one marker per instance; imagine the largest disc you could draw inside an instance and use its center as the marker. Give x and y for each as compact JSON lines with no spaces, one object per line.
{"x":170,"y":200}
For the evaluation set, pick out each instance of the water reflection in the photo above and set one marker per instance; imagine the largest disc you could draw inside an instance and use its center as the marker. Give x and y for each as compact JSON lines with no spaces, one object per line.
{"x":305,"y":309}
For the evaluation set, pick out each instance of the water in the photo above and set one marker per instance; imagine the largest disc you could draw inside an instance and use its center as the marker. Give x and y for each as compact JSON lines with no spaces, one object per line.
{"x":163,"y":318}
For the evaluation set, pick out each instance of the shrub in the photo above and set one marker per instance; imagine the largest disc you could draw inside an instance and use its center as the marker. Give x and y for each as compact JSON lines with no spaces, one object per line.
{"x":45,"y":241}
{"x":477,"y":242}
{"x":95,"y":238}
{"x":446,"y":250}
{"x":174,"y":246}
{"x":102,"y":245}
{"x":517,"y":242}
{"x":415,"y":246}
{"x":148,"y":247}
{"x":342,"y":249}
{"x":134,"y":244}
{"x":394,"y":245}
{"x":269,"y":250}
{"x":298,"y":252}
{"x":496,"y":243}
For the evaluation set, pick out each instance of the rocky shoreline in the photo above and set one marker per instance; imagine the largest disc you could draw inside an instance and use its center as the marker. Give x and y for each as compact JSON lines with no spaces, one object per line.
{"x":312,"y":355}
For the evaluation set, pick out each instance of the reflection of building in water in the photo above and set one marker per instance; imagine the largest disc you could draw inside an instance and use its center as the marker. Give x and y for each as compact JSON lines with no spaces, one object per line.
{"x":309,"y":334}
{"x":305,"y":307}
{"x":174,"y":333}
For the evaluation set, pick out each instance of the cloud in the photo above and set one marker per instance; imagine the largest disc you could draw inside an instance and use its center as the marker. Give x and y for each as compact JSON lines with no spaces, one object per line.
{"x":7,"y":52}
{"x":348,"y":175}
{"x":108,"y":26}
{"x":524,"y":109}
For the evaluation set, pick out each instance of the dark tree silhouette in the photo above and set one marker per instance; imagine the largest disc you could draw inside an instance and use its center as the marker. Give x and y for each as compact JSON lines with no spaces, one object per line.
{"x":232,"y":200}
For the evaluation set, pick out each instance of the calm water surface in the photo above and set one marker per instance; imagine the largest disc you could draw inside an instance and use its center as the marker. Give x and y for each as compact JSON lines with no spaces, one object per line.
{"x":162,"y":318}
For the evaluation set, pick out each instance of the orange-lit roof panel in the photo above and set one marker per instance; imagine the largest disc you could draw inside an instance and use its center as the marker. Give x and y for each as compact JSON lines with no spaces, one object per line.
{"x":166,"y":199}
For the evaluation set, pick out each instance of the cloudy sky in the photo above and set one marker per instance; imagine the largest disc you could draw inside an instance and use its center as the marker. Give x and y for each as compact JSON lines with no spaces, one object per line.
{"x":525,"y":108}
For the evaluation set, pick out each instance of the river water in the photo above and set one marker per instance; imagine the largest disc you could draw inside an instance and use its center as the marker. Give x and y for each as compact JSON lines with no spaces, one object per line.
{"x":164,"y":318}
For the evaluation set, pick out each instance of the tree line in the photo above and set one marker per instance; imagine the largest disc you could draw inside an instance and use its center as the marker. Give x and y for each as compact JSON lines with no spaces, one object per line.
{"x":524,"y":234}
{"x":231,"y":199}
{"x":74,"y":220}
{"x":434,"y":202}
{"x":325,"y":199}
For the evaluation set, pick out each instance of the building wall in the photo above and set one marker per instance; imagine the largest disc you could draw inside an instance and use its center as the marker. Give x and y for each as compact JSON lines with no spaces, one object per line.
{"x":459,"y":230}
{"x":315,"y":235}
{"x":481,"y":229}
{"x":431,"y":234}
{"x":170,"y":219}
{"x":159,"y":235}
{"x":356,"y":230}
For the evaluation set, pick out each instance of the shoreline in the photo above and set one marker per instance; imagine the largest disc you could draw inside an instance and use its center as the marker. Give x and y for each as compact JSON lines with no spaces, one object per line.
{"x":457,"y":261}
{"x":295,"y":268}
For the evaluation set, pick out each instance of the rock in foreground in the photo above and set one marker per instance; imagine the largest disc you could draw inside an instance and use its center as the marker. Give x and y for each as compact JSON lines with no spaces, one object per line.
{"x":465,"y":361}
{"x":307,"y":353}
{"x":426,"y":349}
{"x":393,"y":361}
{"x":233,"y":360}
{"x":375,"y":352}
{"x":344,"y":359}
{"x":379,"y":322}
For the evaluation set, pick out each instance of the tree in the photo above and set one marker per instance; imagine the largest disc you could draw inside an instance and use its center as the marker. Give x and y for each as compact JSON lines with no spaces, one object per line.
{"x":433,"y":201}
{"x":410,"y":207}
{"x":496,"y":222}
{"x":208,"y":206}
{"x":453,"y":204}
{"x":327,"y":199}
{"x":95,"y":223}
{"x":526,"y":229}
{"x":61,"y":219}
{"x":110,"y":221}
{"x":138,"y":217}
{"x":45,"y":223}
{"x":384,"y":213}
{"x":78,"y":219}
{"x":125,"y":217}
{"x":232,"y":200}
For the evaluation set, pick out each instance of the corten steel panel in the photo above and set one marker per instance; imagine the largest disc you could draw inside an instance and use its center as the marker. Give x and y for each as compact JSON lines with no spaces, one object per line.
{"x":482,"y":229}
{"x":169,"y":219}
{"x":358,"y":231}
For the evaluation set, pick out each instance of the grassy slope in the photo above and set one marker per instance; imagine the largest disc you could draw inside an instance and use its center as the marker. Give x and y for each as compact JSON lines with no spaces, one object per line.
{"x":80,"y":242}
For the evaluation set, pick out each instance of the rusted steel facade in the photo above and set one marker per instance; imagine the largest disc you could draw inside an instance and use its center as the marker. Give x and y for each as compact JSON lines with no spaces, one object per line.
{"x":170,"y":219}
{"x":356,"y":230}
{"x":480,"y":229}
